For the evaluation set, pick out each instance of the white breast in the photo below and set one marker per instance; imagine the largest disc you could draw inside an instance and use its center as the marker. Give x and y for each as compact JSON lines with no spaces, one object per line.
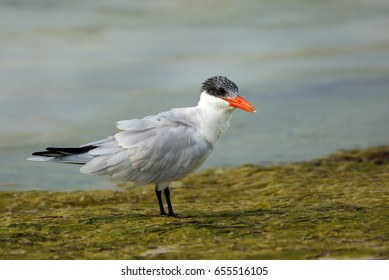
{"x":213,"y":117}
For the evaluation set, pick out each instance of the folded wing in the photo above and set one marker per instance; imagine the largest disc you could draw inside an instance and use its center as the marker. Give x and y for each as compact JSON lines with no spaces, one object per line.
{"x":157,"y":148}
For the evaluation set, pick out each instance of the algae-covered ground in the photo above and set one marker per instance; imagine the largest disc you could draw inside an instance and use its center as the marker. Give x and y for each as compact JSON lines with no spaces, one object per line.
{"x":331,"y":208}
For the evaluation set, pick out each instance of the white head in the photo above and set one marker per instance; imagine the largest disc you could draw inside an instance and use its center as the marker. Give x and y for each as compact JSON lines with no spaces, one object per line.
{"x":224,"y":94}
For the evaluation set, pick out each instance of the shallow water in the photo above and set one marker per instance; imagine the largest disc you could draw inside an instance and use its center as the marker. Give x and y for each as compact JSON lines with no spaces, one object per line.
{"x":316,"y":72}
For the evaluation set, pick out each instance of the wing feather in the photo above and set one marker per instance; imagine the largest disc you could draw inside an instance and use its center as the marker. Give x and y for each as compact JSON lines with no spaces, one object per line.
{"x":153,"y":149}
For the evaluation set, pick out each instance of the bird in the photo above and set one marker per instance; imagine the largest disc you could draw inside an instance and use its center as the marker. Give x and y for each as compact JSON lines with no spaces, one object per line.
{"x":159,"y":148}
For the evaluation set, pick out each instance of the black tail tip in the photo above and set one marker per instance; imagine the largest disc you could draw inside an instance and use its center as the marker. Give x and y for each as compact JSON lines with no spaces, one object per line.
{"x":61,"y":152}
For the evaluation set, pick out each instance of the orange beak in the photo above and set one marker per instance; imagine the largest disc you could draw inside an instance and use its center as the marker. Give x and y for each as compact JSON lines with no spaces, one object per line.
{"x":240,"y":103}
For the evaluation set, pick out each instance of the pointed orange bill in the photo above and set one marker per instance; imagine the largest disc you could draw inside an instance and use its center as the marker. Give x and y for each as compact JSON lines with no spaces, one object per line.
{"x":240,"y":103}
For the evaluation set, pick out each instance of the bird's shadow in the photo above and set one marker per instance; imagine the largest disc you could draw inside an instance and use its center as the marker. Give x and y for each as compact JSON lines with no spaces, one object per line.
{"x":199,"y":219}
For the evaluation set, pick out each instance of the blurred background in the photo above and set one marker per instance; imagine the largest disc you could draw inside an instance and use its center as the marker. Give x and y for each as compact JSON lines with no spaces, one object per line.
{"x":316,"y":71}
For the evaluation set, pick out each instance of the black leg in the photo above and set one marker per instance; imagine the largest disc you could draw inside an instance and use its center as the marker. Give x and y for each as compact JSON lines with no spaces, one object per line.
{"x":159,"y":197}
{"x":169,"y":204}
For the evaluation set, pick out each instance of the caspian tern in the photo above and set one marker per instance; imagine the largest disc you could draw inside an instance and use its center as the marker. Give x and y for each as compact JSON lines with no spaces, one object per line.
{"x":159,"y":148}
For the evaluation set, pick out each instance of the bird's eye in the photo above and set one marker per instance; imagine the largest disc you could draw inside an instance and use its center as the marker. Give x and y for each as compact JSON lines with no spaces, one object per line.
{"x":222,"y":91}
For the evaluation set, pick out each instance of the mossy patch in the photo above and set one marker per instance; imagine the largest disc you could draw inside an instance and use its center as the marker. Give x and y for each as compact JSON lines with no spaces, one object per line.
{"x":332,"y":208}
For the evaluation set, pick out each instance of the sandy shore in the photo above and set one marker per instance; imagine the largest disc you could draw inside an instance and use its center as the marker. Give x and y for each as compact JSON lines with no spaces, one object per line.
{"x":330,"y":208}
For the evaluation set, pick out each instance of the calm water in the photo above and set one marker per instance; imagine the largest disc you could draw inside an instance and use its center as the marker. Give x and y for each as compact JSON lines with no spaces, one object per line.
{"x":317,"y":72}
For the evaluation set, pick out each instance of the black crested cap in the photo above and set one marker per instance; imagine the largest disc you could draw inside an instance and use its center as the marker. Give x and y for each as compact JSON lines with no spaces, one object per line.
{"x":220,"y":86}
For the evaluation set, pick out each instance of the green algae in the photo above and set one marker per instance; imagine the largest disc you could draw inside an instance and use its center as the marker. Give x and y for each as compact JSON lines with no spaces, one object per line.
{"x":331,"y":208}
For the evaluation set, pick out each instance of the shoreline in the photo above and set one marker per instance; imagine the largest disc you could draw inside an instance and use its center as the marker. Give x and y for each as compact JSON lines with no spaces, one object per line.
{"x":333,"y":207}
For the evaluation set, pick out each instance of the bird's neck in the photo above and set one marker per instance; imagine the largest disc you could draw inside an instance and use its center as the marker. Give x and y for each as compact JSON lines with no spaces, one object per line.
{"x":213,"y":116}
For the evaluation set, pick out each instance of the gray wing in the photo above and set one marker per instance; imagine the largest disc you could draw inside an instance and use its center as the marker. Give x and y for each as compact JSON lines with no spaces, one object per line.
{"x":157,"y":148}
